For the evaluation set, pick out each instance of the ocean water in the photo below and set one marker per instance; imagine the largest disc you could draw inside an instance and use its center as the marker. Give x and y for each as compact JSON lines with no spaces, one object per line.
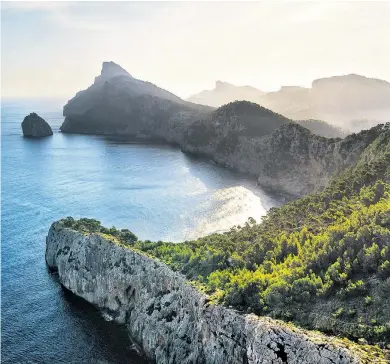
{"x":156,"y":191}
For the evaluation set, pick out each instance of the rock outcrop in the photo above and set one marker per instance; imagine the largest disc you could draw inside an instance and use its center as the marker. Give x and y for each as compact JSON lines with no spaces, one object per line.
{"x":34,"y":126}
{"x":167,"y":317}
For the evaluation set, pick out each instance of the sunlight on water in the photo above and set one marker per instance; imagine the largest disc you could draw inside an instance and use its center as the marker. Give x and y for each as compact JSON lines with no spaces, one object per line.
{"x":225,"y":208}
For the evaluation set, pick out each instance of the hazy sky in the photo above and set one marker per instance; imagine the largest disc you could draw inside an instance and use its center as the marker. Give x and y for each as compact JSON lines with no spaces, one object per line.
{"x":56,"y":49}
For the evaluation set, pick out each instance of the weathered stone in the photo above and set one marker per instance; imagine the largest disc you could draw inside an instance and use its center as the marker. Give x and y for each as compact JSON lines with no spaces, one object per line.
{"x":167,"y":317}
{"x":34,"y":126}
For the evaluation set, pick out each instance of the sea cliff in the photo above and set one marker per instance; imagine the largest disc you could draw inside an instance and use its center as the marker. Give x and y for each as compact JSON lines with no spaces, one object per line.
{"x":171,"y":320}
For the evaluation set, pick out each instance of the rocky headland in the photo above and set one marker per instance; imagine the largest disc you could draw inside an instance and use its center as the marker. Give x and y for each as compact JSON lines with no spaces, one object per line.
{"x":171,"y":320}
{"x":35,"y":127}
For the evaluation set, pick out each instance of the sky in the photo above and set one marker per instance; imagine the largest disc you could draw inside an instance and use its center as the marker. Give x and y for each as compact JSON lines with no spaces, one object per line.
{"x":54,"y":49}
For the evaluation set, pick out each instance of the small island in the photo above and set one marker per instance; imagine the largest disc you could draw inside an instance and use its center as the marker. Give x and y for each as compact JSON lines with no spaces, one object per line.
{"x":34,"y":126}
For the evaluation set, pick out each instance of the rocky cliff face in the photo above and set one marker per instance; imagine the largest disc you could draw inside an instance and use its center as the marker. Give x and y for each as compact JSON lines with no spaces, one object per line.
{"x":290,"y":159}
{"x":172,"y":321}
{"x":34,"y":126}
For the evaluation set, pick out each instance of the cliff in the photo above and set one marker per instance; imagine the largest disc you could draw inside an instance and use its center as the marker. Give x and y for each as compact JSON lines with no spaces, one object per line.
{"x":289,"y":159}
{"x":173,"y":322}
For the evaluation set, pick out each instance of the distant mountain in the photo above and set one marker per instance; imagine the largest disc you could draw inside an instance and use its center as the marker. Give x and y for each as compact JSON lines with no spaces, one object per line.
{"x":344,"y":100}
{"x":224,"y":92}
{"x":117,"y":103}
{"x":351,"y":102}
{"x":290,"y":101}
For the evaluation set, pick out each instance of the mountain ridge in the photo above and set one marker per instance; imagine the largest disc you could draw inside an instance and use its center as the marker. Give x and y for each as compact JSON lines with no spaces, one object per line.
{"x":338,"y":100}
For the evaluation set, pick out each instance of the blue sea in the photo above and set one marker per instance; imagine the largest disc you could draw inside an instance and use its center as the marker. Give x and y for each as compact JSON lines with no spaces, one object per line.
{"x":156,"y":191}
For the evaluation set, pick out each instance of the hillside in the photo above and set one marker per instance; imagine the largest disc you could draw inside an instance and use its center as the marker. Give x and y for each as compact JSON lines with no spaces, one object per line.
{"x":117,"y":103}
{"x":322,"y":261}
{"x":220,"y":132}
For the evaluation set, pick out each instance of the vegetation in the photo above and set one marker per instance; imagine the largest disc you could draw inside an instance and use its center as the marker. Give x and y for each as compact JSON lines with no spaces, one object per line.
{"x":322,"y":261}
{"x":248,"y":119}
{"x":89,"y":226}
{"x":226,"y":124}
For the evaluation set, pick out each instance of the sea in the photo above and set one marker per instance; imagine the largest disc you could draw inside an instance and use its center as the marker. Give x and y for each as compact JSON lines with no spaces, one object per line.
{"x":155,"y":190}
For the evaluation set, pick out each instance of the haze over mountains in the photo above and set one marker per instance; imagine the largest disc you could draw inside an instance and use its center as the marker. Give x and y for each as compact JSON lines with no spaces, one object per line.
{"x":225,"y":92}
{"x":116,"y":97}
{"x":352,"y":102}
